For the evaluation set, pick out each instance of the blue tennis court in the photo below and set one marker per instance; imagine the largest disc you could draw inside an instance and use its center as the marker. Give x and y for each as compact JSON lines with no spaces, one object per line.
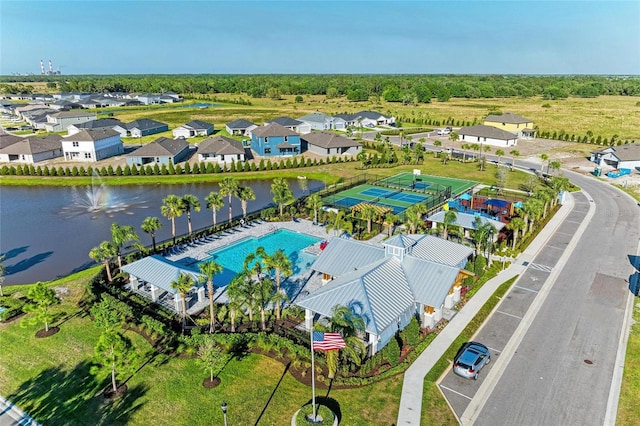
{"x":421,"y":185}
{"x":376,"y":192}
{"x":408,"y":198}
{"x":348,"y":201}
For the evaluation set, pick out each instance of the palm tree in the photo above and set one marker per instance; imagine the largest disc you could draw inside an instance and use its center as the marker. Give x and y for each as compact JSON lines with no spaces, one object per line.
{"x":190,"y":202}
{"x":183,"y":284}
{"x":263,"y":297}
{"x":437,"y":144}
{"x":390,"y":220}
{"x":282,"y":195}
{"x":280,"y":263}
{"x":516,"y":225}
{"x":209,"y":270}
{"x":103,"y":254}
{"x":229,"y":188}
{"x":339,"y":222}
{"x":171,"y":208}
{"x":558,"y":184}
{"x":553,"y":167}
{"x":499,"y":154}
{"x":482,"y":235}
{"x":150,"y":225}
{"x":546,"y":195}
{"x":533,"y":207}
{"x":314,"y":202}
{"x":245,"y":194}
{"x":413,"y":216}
{"x":346,"y":322}
{"x":369,"y":213}
{"x":120,"y":236}
{"x":450,"y":217}
{"x":544,"y":157}
{"x":214,"y":202}
{"x":514,"y":154}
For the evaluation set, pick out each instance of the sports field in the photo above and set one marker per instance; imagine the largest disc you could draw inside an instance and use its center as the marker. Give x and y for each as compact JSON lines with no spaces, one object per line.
{"x":428,"y":183}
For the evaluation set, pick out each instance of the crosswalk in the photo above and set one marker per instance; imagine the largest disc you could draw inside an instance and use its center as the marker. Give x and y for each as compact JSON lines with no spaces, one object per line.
{"x":538,"y":267}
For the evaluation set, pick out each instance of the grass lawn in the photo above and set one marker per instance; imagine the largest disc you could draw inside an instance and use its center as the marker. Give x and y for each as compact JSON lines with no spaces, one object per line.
{"x":628,"y":407}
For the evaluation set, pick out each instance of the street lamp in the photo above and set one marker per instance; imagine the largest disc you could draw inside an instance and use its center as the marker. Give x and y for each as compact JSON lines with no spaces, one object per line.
{"x":224,"y":412}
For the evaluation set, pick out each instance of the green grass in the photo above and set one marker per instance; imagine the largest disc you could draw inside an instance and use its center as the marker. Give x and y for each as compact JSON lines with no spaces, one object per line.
{"x":628,"y":407}
{"x":436,"y":402}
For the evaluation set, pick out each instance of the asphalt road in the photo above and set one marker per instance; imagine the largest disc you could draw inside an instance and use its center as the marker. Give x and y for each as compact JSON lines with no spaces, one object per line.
{"x":561,"y":372}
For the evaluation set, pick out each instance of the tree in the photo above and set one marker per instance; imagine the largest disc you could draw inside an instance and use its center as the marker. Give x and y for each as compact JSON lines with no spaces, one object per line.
{"x":114,"y":354}
{"x":183,"y":284}
{"x":190,"y":202}
{"x":437,"y":144}
{"x":282,"y":194}
{"x":150,"y":225}
{"x":544,"y":157}
{"x":171,"y":208}
{"x":281,"y":266}
{"x":369,"y":213}
{"x":534,"y":209}
{"x":450,"y":217}
{"x":413,"y":217}
{"x":345,"y":321}
{"x":499,"y":154}
{"x":214,"y":202}
{"x":501,"y":178}
{"x":103,"y":254}
{"x":553,"y":167}
{"x":314,"y":202}
{"x":245,"y":194}
{"x":516,"y":225}
{"x":42,"y":298}
{"x":483,"y":234}
{"x":120,"y":237}
{"x":210,"y":357}
{"x":390,"y":220}
{"x":209,"y":270}
{"x":530,"y":184}
{"x":546,"y":195}
{"x":558,"y":184}
{"x":454,"y":136}
{"x":229,"y":188}
{"x":514,"y":154}
{"x":339,"y":223}
{"x":105,"y":315}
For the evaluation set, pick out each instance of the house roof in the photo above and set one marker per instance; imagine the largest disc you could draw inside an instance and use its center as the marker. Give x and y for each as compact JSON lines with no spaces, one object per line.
{"x":239,"y":124}
{"x":507,"y":117}
{"x":145,"y":124}
{"x":101,"y":123}
{"x":285,"y":121}
{"x":199,"y":125}
{"x":220,"y":145}
{"x":431,"y":248}
{"x":92,"y":135}
{"x":372,"y":115}
{"x":430,"y":281}
{"x":272,"y":129}
{"x":329,"y":140}
{"x":161,"y":147}
{"x":347,"y":117}
{"x":342,"y":255}
{"x":466,"y":220}
{"x":316,"y":117}
{"x":629,"y":152}
{"x":160,"y":272}
{"x":484,"y":131}
{"x":71,"y":114}
{"x":7,"y":139}
{"x":33,"y":145}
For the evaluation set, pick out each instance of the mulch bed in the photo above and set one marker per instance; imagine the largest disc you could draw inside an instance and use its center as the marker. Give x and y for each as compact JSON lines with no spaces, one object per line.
{"x":42,"y":333}
{"x":110,"y":394}
{"x":209,"y":384}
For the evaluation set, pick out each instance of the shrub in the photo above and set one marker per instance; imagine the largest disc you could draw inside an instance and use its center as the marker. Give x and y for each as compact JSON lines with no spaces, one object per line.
{"x":411,"y":333}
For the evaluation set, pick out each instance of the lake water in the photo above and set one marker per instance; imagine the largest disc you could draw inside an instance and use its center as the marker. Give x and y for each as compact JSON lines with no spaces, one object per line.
{"x":47,"y":232}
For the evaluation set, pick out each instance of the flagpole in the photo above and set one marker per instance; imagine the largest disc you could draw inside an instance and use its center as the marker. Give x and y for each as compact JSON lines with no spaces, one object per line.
{"x":313,"y":376}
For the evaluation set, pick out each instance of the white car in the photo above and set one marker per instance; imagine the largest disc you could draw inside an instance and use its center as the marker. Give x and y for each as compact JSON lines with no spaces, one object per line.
{"x":442,"y":132}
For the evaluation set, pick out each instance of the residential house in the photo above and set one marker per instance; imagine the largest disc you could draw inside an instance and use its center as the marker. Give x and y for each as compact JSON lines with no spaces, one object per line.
{"x":520,"y":126}
{"x":240,"y":128}
{"x":387,"y":286}
{"x":62,"y":104}
{"x":621,"y":156}
{"x":373,"y":118}
{"x":101,"y":123}
{"x":488,"y":135}
{"x":162,"y":151}
{"x":7,"y":139}
{"x":328,"y":144}
{"x":148,"y":99}
{"x":291,"y":124}
{"x":221,"y":149}
{"x":145,"y":127}
{"x":59,"y":121}
{"x":92,"y":145}
{"x":32,"y":150}
{"x":320,"y":121}
{"x":193,"y":128}
{"x":275,"y":140}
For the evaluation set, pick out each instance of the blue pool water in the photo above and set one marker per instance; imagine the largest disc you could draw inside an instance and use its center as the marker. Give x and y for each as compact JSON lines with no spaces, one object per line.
{"x":232,"y":257}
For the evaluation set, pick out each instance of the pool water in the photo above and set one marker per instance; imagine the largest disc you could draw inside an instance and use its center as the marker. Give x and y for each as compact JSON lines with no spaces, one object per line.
{"x":232,"y":257}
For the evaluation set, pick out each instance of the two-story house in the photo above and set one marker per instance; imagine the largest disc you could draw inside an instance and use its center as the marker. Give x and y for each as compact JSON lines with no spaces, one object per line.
{"x":275,"y":140}
{"x":522,"y":127}
{"x":59,"y":121}
{"x":92,"y":145}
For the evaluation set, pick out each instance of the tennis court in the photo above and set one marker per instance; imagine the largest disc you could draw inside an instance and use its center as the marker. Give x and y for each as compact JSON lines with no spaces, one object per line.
{"x":427,"y":183}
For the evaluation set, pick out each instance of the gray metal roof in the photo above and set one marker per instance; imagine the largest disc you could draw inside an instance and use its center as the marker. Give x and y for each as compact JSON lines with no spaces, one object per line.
{"x":67,"y":114}
{"x":466,"y":220}
{"x":316,"y":117}
{"x":430,"y":281}
{"x":487,"y":132}
{"x":342,"y":255}
{"x":372,"y":115}
{"x":328,"y":140}
{"x":240,"y":124}
{"x":161,"y":147}
{"x":285,"y":121}
{"x":220,"y":145}
{"x":160,"y":272}
{"x":145,"y":124}
{"x":272,"y":129}
{"x":507,"y":117}
{"x":93,"y":134}
{"x":199,"y":125}
{"x":101,"y":123}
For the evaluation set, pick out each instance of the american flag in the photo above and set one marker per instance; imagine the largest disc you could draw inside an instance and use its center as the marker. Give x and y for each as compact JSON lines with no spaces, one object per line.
{"x":327,"y":341}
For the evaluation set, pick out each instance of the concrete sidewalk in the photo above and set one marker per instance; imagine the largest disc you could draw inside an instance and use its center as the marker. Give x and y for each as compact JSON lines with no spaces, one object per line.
{"x":413,"y":384}
{"x":11,"y":415}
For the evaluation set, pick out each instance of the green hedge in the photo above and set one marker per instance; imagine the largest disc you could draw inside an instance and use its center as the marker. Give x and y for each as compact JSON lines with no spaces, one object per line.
{"x":13,"y":305}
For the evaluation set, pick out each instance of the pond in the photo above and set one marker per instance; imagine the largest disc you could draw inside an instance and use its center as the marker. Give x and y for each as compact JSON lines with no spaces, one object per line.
{"x":47,"y":232}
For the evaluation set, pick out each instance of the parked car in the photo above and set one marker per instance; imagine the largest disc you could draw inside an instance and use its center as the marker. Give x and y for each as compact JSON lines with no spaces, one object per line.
{"x":445,"y":131}
{"x":25,"y":127}
{"x":470,"y":359}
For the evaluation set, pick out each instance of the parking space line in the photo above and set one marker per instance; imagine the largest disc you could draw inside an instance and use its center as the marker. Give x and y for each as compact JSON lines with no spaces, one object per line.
{"x":565,"y":233}
{"x":511,"y":315}
{"x":572,"y":221}
{"x":527,"y":289}
{"x":553,"y":247}
{"x":456,"y":392}
{"x":494,"y":350}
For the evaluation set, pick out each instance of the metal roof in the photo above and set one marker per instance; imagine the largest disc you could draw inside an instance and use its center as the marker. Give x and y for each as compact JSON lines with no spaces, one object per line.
{"x":285,"y":121}
{"x":145,"y":124}
{"x":160,"y":272}
{"x":466,"y":220}
{"x":198,"y":125}
{"x":239,"y":124}
{"x":342,"y":255}
{"x":430,"y":281}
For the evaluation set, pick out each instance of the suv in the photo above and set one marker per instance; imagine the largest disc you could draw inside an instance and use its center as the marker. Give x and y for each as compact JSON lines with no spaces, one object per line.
{"x":470,"y":359}
{"x":444,"y":131}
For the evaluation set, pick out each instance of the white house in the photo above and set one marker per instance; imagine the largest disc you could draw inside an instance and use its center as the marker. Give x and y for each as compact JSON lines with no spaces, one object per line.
{"x":92,"y":145}
{"x":328,"y":144}
{"x":487,"y":135}
{"x":221,"y":149}
{"x":291,"y":124}
{"x":193,"y":128}
{"x":102,"y":123}
{"x":240,"y":128}
{"x":32,"y":150}
{"x":59,"y":121}
{"x":321,"y":121}
{"x":621,"y":157}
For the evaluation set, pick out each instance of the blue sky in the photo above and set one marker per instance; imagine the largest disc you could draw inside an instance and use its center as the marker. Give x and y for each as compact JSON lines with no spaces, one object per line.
{"x":251,"y":37}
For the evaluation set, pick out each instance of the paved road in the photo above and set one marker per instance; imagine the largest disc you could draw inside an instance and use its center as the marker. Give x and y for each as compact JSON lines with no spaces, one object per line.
{"x":561,"y":371}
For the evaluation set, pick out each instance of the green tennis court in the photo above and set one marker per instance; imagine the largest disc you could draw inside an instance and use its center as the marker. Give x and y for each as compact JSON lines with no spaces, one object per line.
{"x":427,"y":183}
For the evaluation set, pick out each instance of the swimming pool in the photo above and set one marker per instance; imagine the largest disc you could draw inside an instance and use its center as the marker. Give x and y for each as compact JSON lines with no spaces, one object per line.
{"x":232,"y":257}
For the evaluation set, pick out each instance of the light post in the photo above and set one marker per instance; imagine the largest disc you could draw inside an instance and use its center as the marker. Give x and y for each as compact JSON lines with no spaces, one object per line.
{"x":224,"y":412}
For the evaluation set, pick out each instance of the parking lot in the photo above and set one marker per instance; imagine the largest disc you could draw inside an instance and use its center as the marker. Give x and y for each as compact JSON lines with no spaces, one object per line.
{"x":499,"y":328}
